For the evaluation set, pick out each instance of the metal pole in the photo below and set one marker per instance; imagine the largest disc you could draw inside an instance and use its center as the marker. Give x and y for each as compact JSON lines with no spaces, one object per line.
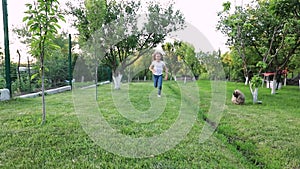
{"x":6,"y":46}
{"x":70,"y":61}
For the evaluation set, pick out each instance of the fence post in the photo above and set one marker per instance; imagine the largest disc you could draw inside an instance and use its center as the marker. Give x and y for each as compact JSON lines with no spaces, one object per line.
{"x":6,"y":47}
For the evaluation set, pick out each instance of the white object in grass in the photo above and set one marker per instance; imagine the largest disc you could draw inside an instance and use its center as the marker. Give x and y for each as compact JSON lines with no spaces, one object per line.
{"x":4,"y":94}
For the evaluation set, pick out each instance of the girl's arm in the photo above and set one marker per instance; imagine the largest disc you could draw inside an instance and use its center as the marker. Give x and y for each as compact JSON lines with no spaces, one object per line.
{"x":151,"y":68}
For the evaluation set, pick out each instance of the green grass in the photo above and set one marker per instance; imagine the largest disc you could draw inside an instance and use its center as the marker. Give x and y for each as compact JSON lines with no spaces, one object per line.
{"x":267,"y":134}
{"x":248,"y":136}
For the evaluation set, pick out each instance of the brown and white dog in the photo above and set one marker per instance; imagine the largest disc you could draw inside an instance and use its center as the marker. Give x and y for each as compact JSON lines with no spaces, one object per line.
{"x":238,"y":97}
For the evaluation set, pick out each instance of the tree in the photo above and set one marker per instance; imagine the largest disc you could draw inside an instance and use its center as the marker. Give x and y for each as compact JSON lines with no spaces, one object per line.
{"x":294,"y":64}
{"x":234,"y":64}
{"x":181,"y":55}
{"x":256,"y":82}
{"x":121,"y":40}
{"x":186,"y":53}
{"x":42,"y":19}
{"x":228,"y":61}
{"x":89,"y":16}
{"x":235,"y":26}
{"x":142,"y":66}
{"x":272,"y":31}
{"x":280,"y":39}
{"x":212,"y":63}
{"x":172,"y":57}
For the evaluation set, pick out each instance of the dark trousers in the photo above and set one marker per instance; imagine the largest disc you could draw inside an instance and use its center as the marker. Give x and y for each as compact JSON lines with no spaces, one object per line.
{"x":157,"y":79}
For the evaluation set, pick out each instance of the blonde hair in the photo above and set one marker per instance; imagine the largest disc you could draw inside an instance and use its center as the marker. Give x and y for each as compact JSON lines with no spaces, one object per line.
{"x":159,"y":53}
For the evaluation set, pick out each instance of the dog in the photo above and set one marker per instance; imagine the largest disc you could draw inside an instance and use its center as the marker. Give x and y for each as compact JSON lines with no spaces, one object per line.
{"x":238,"y":97}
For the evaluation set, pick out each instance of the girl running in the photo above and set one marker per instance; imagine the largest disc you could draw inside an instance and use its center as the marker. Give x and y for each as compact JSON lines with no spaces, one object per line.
{"x":157,"y":66}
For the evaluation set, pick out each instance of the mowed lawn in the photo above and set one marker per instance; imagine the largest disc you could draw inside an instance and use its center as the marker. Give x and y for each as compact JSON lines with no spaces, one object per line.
{"x":263,"y":135}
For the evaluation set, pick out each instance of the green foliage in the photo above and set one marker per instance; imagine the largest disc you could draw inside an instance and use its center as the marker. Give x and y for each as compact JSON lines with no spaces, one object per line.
{"x":23,"y":34}
{"x":256,"y":81}
{"x":20,"y":86}
{"x":141,"y":66}
{"x":42,"y":20}
{"x":204,"y":76}
{"x":294,"y":64}
{"x":172,"y":57}
{"x":57,"y":62}
{"x":2,"y":82}
{"x":269,"y":29}
{"x":116,"y":34}
{"x":187,"y":54}
{"x":261,"y":65}
{"x":89,"y":16}
{"x":212,"y":63}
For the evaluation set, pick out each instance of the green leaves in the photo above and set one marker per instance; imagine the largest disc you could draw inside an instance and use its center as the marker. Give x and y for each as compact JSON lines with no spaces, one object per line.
{"x":226,"y":6}
{"x":262,"y":65}
{"x":120,"y":29}
{"x":42,"y":19}
{"x":269,"y":29}
{"x":256,"y":81}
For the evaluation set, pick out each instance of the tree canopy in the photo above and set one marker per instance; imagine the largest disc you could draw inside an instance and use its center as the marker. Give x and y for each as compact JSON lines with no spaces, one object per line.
{"x":124,"y":32}
{"x":268,"y":29}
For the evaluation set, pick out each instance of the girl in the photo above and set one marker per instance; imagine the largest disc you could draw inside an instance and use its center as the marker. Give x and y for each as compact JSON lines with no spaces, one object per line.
{"x":157,"y":66}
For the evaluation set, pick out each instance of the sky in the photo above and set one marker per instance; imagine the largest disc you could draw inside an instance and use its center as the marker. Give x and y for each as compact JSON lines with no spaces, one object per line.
{"x":200,"y":14}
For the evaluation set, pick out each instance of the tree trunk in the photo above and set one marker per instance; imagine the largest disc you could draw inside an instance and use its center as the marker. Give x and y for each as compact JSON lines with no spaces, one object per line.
{"x":273,"y":91}
{"x":285,"y":79}
{"x":128,"y":80}
{"x":29,"y":73}
{"x":254,"y":94}
{"x":263,"y":82}
{"x":96,"y":81}
{"x":171,"y":76}
{"x":273,"y":87}
{"x":42,"y":56}
{"x":117,"y":77}
{"x":247,"y":80}
{"x":43,"y":94}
